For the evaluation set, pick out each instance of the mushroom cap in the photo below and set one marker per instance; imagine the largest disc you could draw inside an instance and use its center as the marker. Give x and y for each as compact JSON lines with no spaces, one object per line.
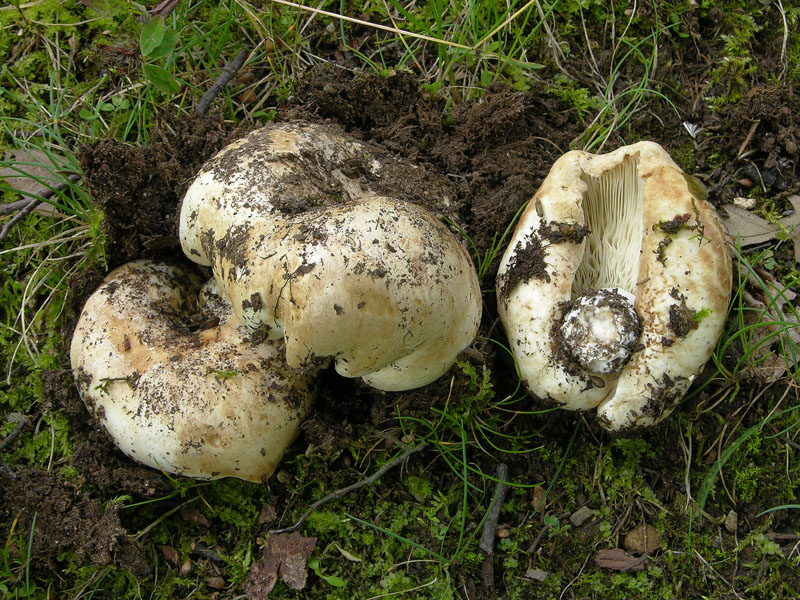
{"x":378,"y":284}
{"x":631,"y":220}
{"x":191,"y":396}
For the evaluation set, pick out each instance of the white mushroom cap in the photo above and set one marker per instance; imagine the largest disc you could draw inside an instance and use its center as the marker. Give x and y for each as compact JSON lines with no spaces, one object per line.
{"x":378,"y":284}
{"x":199,"y":400}
{"x":633,"y":221}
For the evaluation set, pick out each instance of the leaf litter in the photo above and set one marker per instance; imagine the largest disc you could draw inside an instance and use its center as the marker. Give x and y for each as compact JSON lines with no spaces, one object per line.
{"x":769,"y":312}
{"x":285,"y":558}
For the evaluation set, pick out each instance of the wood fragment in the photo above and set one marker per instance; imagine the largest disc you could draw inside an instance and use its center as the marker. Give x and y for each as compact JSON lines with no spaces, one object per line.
{"x":25,"y":211}
{"x":228,"y":71}
{"x":400,"y":459}
{"x":490,"y":526}
{"x":615,"y":559}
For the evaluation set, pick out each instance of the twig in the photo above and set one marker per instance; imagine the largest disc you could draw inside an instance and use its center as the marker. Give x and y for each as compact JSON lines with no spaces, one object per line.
{"x":535,"y":545}
{"x":26,"y":210}
{"x":400,"y":459}
{"x":166,"y":515}
{"x":227,"y":74}
{"x":205,"y":552}
{"x":22,"y":422}
{"x":164,"y":8}
{"x":783,"y":537}
{"x":10,"y":207}
{"x":490,"y":526}
{"x":791,"y":442}
{"x":748,"y":138}
{"x":6,"y":470}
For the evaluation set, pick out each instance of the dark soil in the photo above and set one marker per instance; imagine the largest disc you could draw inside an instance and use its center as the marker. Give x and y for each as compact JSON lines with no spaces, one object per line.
{"x":138,"y":189}
{"x":492,"y":153}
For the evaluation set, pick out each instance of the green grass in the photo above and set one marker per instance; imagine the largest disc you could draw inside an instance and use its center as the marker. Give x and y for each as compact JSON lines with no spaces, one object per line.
{"x":73,"y":73}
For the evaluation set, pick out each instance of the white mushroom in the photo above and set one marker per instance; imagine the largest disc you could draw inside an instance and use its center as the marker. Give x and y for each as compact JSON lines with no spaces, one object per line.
{"x":194,"y":396}
{"x":305,"y":251}
{"x":615,"y":285}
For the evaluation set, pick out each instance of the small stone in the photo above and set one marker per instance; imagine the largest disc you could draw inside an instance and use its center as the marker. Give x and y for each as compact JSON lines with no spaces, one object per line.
{"x":642,"y":540}
{"x":537,"y":574}
{"x":745,"y":203}
{"x":732,"y":521}
{"x":580,"y":516}
{"x":539,"y":496}
{"x":503,"y":532}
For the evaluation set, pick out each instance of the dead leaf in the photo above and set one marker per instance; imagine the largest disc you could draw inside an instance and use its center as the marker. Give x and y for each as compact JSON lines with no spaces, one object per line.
{"x":267,"y":514}
{"x":774,"y":321}
{"x":750,"y":229}
{"x":34,"y":174}
{"x":31,"y":167}
{"x":285,"y":556}
{"x":615,"y":559}
{"x":170,"y":554}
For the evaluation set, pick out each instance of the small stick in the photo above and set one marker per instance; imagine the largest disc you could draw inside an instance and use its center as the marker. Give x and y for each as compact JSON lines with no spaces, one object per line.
{"x":227,"y":74}
{"x":10,"y":207}
{"x":748,"y":138}
{"x":26,"y":210}
{"x":788,"y":537}
{"x":22,"y":422}
{"x":164,"y":8}
{"x":6,"y":470}
{"x":535,"y":545}
{"x":490,"y":526}
{"x":402,"y":458}
{"x":205,"y":552}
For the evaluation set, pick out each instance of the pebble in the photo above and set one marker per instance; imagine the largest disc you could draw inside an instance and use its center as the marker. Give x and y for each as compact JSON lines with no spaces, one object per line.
{"x":537,"y":574}
{"x":580,"y":516}
{"x":642,"y":540}
{"x":539,"y":495}
{"x":732,"y":521}
{"x":746,"y":203}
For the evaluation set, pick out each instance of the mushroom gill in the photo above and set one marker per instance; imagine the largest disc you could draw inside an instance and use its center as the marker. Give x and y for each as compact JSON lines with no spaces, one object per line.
{"x":613,"y":209}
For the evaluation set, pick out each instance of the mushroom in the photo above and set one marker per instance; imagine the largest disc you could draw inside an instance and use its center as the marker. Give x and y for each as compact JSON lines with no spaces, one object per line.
{"x":306,"y":250}
{"x":180,"y":387}
{"x":615,"y":286}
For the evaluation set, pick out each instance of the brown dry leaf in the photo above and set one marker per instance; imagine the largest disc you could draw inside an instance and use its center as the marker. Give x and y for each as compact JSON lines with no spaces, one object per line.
{"x":170,"y":554}
{"x":285,"y":556}
{"x":751,"y":229}
{"x":779,"y":323}
{"x":616,"y":560}
{"x":33,"y":169}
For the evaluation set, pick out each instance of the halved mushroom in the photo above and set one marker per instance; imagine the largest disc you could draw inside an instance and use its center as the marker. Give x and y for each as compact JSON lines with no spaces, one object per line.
{"x":380,"y":285}
{"x":183,"y":387}
{"x":615,"y":285}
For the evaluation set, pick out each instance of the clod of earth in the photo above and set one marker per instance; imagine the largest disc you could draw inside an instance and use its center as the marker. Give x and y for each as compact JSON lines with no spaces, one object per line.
{"x":615,"y":286}
{"x":179,"y":384}
{"x":306,"y":251}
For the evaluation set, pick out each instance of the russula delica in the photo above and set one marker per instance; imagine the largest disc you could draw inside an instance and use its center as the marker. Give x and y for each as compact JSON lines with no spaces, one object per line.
{"x":615,"y":286}
{"x":178,"y":383}
{"x":307,"y":252}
